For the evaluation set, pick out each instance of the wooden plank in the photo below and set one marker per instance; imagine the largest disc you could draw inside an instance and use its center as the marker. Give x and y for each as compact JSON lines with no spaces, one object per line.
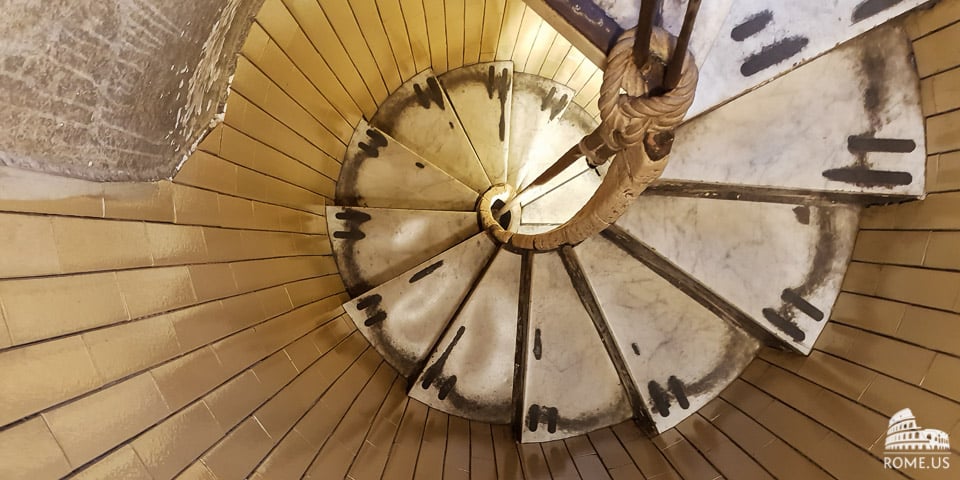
{"x":533,"y":461}
{"x":453,"y":11}
{"x":732,"y":461}
{"x":493,"y":11}
{"x":415,"y":18}
{"x":505,"y":448}
{"x":437,"y":31}
{"x":456,"y":461}
{"x":590,"y":90}
{"x":261,"y":90}
{"x":559,"y":460}
{"x":569,"y":65}
{"x":555,"y":55}
{"x":483,"y":465}
{"x":372,"y":458}
{"x":396,"y":28}
{"x":279,"y":23}
{"x":325,"y":40}
{"x":275,"y":63}
{"x":432,"y":446}
{"x":334,"y":459}
{"x":402,"y":461}
{"x":546,"y":37}
{"x":510,"y":28}
{"x":348,"y":33}
{"x":472,"y":31}
{"x":374,"y":31}
{"x":254,"y":122}
{"x":644,"y":453}
{"x":529,"y":28}
{"x":568,"y":31}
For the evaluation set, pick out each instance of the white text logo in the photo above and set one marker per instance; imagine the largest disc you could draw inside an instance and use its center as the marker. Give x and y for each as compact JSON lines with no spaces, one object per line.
{"x":910,"y":446}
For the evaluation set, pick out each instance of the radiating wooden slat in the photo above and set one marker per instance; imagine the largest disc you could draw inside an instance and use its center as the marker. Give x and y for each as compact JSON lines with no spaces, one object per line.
{"x":559,"y":460}
{"x":569,"y":65}
{"x":541,"y":46}
{"x":551,"y":62}
{"x":273,"y":62}
{"x":432,"y":446}
{"x":437,"y":31}
{"x":348,"y":33}
{"x":581,"y":76}
{"x":505,"y":449}
{"x":529,"y":28}
{"x":373,"y":455}
{"x":483,"y":465}
{"x":251,"y":120}
{"x":374,"y":31}
{"x":253,"y":83}
{"x":396,"y":28}
{"x":413,"y":14}
{"x":493,"y":11}
{"x":472,"y":30}
{"x":279,"y":23}
{"x":590,"y":90}
{"x":453,"y":11}
{"x":402,"y":461}
{"x":321,"y":34}
{"x":456,"y":459}
{"x":533,"y":461}
{"x":510,"y":28}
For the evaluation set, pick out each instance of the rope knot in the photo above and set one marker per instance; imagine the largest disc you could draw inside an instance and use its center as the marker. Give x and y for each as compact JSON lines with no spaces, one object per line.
{"x":627,"y":111}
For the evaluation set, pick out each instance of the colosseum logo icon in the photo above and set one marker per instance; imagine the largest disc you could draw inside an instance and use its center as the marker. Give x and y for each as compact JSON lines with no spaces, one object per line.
{"x":910,"y":446}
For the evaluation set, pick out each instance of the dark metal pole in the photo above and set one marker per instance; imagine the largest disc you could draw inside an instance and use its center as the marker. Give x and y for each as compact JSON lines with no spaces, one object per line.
{"x":641,"y":43}
{"x":675,"y":68}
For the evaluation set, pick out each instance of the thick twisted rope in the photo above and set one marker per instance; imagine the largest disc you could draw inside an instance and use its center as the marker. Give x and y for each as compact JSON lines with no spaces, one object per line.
{"x":627,"y":112}
{"x":632,"y":120}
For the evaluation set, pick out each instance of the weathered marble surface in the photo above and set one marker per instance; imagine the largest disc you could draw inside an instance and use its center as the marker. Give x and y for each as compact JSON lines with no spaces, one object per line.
{"x":762,"y":39}
{"x":379,"y":171}
{"x":563,"y":201}
{"x":750,"y":252}
{"x":478,"y":350}
{"x":567,"y":367}
{"x":661,"y":332}
{"x":710,"y":19}
{"x":373,"y":245}
{"x":483,"y":104}
{"x":787,"y":133}
{"x":404,"y":317}
{"x":540,"y":129}
{"x":420,"y":116}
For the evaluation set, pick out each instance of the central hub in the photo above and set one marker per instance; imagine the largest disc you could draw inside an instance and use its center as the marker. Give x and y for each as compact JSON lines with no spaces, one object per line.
{"x":489,"y":206}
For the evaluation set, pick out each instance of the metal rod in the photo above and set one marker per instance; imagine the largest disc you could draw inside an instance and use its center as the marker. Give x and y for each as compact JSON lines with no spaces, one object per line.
{"x":641,"y":43}
{"x":675,"y":68}
{"x":591,"y":140}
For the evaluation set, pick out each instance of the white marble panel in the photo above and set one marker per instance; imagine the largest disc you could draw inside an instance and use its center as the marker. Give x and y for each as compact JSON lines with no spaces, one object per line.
{"x":749,"y":253}
{"x":470,"y":374}
{"x":380,"y":172}
{"x":788,"y":133}
{"x":571,"y":385}
{"x":565,"y":200}
{"x":661,"y":333}
{"x":483,"y":101}
{"x":763,"y":39}
{"x":404,"y":317}
{"x":373,"y":245}
{"x":544,"y":125}
{"x":419,"y":115}
{"x":710,"y":19}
